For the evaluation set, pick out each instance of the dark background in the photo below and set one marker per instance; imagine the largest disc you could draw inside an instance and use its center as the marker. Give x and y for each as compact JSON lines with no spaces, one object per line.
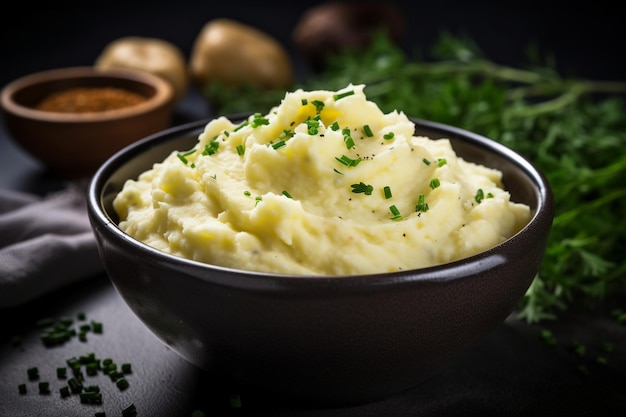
{"x":586,"y":38}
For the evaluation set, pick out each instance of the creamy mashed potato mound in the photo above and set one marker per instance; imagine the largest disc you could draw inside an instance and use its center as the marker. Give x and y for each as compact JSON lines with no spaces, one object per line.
{"x":324,"y":184}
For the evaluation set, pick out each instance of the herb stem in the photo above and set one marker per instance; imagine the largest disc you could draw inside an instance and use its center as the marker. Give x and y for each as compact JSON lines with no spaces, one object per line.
{"x":592,"y":206}
{"x":475,"y":67}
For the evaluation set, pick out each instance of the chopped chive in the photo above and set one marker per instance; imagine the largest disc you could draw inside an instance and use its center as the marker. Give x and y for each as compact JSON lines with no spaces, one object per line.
{"x":387,"y":191}
{"x":304,"y":101}
{"x":338,"y":172}
{"x":73,"y":363}
{"x":129,"y":411}
{"x":286,"y":194}
{"x":75,"y":385}
{"x":344,"y":160}
{"x":44,"y":387}
{"x":368,"y":131}
{"x":90,"y":397}
{"x":210,"y":148}
{"x":226,"y":133}
{"x":347,"y":161}
{"x":183,"y":156}
{"x":259,"y":120}
{"x":434,"y":183}
{"x":33,"y":373}
{"x":395,"y":213}
{"x":343,"y":95}
{"x":441,"y":162}
{"x":126,"y":368}
{"x":22,"y":388}
{"x":362,"y":188}
{"x":62,"y":372}
{"x":312,"y":126}
{"x":92,"y":368}
{"x":421,"y":206}
{"x":286,"y":134}
{"x":81,"y":316}
{"x":480,"y":195}
{"x":319,"y":105}
{"x":240,"y":150}
{"x":426,"y":161}
{"x":335,"y":126}
{"x":257,"y":200}
{"x":241,"y":126}
{"x":64,"y":391}
{"x":388,"y":136}
{"x":348,"y":141}
{"x":96,"y":327}
{"x":115,"y":376}
{"x":56,"y":336}
{"x":110,"y":368}
{"x":278,"y":144}
{"x":247,"y":193}
{"x":67,"y":321}
{"x":122,"y":384}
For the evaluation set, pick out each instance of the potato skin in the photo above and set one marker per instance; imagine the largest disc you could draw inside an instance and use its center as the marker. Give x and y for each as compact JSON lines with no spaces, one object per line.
{"x":154,"y":55}
{"x":236,"y":54}
{"x":334,"y":27}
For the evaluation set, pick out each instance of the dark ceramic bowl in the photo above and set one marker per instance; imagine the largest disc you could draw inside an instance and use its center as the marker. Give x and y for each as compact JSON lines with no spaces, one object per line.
{"x":75,"y":144}
{"x":325,"y":340}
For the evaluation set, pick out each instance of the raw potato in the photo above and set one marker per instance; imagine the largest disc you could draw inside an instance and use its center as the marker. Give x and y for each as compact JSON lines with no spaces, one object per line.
{"x":152,"y":55}
{"x":235,"y":54}
{"x":334,"y":27}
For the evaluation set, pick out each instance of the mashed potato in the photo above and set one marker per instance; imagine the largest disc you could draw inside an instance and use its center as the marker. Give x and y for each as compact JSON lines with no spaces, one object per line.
{"x":324,"y":184}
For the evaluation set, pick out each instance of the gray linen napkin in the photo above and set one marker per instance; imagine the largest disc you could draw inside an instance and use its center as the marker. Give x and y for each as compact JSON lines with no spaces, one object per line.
{"x":45,"y":243}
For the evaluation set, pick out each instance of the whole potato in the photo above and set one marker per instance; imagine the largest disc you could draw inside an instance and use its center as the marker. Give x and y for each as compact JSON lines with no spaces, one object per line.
{"x":236,"y":54}
{"x":153,"y":55}
{"x":333,"y":27}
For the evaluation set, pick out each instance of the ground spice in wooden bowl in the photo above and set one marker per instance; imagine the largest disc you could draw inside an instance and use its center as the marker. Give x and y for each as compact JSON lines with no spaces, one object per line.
{"x":89,"y":100}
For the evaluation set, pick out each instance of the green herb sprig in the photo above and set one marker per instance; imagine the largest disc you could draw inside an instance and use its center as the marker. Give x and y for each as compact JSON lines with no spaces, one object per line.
{"x":573,"y":129}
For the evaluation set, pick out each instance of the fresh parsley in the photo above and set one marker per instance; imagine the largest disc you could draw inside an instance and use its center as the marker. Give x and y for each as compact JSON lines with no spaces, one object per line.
{"x":573,"y":129}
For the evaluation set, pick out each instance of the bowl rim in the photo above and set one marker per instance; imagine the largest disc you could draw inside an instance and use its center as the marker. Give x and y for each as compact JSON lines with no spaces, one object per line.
{"x":164,"y":94}
{"x":483,"y":261}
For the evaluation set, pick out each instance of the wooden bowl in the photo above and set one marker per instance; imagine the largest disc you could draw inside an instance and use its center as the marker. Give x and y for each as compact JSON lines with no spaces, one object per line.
{"x":74,"y":143}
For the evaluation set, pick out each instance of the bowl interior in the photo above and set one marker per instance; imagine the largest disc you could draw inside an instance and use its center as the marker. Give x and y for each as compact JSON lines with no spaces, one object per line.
{"x":21,"y":96}
{"x":30,"y":95}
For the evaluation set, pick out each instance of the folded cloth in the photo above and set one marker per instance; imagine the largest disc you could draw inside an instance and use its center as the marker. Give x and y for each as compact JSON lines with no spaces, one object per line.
{"x":46,"y":242}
